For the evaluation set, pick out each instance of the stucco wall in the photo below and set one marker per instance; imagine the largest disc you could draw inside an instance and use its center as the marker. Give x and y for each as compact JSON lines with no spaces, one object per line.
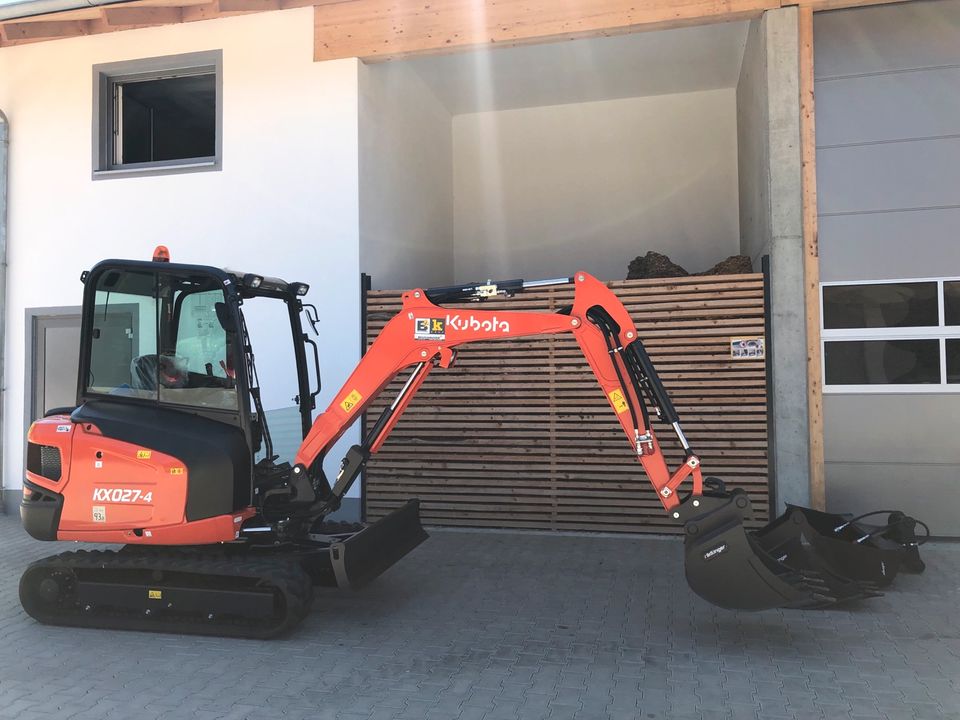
{"x":888,"y":174}
{"x":406,"y":179}
{"x":284,"y":204}
{"x":544,"y":191}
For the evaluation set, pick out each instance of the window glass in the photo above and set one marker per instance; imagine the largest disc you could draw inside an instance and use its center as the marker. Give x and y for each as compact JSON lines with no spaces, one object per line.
{"x":160,"y":336}
{"x":953,"y":360}
{"x":171,"y":118}
{"x":124,"y":334}
{"x":197,"y":358}
{"x":882,"y":362}
{"x":951,"y":302}
{"x":882,"y":305}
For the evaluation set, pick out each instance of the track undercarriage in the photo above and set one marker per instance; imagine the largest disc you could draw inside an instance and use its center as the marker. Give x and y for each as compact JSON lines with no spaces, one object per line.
{"x":258,"y":587}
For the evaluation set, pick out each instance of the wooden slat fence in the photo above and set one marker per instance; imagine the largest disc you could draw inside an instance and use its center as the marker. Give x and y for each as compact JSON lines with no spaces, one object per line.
{"x":519,"y":435}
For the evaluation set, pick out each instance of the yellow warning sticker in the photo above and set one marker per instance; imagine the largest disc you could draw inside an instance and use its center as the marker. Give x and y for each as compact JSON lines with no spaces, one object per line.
{"x":177,"y":470}
{"x":351,"y":401}
{"x":155,"y":594}
{"x":144,"y":454}
{"x":618,"y":401}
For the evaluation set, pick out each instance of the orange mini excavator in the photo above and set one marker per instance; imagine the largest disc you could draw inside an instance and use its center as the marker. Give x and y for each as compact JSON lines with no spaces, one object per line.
{"x":168,"y":454}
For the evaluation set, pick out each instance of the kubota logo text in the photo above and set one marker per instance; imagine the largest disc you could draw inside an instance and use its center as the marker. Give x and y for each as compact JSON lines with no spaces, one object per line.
{"x":471,"y":323}
{"x":121,"y":495}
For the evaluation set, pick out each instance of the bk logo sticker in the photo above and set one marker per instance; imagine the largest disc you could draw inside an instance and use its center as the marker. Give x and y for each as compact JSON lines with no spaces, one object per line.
{"x":429,"y":329}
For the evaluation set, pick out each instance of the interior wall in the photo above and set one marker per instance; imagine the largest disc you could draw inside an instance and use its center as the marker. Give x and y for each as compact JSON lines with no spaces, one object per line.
{"x":545,"y":191}
{"x":284,"y":204}
{"x":406,"y":179}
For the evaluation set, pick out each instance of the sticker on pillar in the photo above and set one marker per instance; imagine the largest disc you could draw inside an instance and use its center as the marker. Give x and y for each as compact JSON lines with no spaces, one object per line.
{"x":747,"y":348}
{"x":429,"y":329}
{"x":618,"y":401}
{"x":351,"y":401}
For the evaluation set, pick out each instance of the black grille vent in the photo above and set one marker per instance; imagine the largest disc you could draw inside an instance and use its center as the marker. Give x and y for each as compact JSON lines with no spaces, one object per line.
{"x":44,"y":460}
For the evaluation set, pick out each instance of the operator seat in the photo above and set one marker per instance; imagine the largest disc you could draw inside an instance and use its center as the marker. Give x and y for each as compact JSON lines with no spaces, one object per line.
{"x":144,"y":372}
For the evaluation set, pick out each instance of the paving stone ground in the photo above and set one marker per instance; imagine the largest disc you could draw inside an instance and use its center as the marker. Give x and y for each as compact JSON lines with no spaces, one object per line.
{"x":497,"y":625}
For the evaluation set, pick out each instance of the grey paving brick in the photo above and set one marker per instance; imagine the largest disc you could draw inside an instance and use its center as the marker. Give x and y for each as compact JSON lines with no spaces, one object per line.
{"x":544,"y":631}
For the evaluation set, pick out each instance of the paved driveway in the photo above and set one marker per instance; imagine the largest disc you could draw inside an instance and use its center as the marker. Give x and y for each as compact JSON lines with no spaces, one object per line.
{"x":507,"y":625}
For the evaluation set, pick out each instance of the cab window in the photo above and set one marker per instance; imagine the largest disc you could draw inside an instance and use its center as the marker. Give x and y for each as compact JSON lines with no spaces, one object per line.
{"x":165,"y":337}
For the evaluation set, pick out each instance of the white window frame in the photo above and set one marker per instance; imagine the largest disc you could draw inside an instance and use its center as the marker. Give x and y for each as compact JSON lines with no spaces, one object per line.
{"x":941,"y":332}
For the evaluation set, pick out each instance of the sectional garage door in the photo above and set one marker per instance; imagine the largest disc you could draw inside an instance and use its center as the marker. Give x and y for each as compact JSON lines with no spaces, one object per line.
{"x":519,"y":435}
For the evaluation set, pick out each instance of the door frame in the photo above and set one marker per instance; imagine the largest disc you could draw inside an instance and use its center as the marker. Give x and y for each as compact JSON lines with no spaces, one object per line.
{"x":34,"y":318}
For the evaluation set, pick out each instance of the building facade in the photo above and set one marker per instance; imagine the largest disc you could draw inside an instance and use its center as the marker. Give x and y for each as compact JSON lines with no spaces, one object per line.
{"x":323,"y":163}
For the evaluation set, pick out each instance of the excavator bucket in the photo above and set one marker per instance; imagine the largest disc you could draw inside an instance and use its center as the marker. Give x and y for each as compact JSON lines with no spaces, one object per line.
{"x":367,"y":554}
{"x":845,"y":545}
{"x":803,"y":559}
{"x":731,"y":567}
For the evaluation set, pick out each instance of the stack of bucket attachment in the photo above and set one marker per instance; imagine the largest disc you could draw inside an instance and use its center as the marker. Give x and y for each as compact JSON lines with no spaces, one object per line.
{"x":803,"y":559}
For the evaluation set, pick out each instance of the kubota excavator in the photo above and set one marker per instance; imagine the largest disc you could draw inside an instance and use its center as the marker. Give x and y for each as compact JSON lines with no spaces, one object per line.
{"x":167,"y":453}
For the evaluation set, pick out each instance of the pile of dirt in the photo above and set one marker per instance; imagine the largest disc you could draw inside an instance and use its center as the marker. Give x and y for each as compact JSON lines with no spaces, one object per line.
{"x":654,"y":265}
{"x":733,"y":265}
{"x":657,"y":265}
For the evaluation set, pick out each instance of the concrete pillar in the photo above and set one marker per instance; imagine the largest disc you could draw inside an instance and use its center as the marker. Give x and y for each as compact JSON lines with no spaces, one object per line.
{"x":768,"y":129}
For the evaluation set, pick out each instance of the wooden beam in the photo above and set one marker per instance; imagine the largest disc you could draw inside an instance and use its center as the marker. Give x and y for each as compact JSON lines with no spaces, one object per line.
{"x":374,"y":29}
{"x":119,"y":16}
{"x":232,"y":6}
{"x":43,"y":30}
{"x":811,"y":258}
{"x":818,"y":5}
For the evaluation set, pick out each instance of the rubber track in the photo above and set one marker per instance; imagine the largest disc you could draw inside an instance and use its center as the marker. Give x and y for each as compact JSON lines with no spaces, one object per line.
{"x":282,"y":574}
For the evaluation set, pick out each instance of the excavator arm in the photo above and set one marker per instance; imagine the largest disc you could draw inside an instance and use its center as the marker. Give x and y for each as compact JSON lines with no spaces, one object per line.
{"x":724,"y":563}
{"x":424,"y":335}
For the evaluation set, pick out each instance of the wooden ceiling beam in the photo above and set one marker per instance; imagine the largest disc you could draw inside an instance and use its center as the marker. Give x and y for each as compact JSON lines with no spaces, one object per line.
{"x":383,"y":29}
{"x":43,"y":30}
{"x":247,"y":6}
{"x":121,"y":16}
{"x":373,"y":29}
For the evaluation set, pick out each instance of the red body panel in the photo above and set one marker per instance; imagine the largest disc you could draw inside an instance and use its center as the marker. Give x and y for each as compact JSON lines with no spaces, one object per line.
{"x":117,"y":492}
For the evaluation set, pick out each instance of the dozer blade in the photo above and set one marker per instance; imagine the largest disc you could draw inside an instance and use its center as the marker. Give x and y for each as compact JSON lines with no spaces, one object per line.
{"x":728,"y":567}
{"x":847,"y":548}
{"x":364,"y":556}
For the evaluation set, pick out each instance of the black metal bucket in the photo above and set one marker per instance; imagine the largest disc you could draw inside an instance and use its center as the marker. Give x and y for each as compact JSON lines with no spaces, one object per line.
{"x":870,"y":554}
{"x":367,"y":554}
{"x":726,"y":566}
{"x":803,"y":559}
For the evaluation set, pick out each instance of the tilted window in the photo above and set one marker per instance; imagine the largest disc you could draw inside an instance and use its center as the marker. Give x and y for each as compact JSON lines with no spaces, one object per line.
{"x":158,"y":115}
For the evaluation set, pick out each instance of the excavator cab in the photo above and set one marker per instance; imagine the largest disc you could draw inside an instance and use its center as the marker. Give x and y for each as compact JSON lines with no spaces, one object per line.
{"x":169,"y":446}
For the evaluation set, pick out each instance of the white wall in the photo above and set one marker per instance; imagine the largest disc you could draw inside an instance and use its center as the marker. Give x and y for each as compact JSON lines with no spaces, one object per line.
{"x":284,"y":204}
{"x":549,"y":190}
{"x":406,"y":179}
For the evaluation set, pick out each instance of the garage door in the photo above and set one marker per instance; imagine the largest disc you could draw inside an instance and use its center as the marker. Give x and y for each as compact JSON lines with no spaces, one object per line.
{"x":519,"y":435}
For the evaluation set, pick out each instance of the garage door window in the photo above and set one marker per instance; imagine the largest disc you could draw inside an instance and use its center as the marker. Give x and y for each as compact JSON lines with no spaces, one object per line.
{"x":891,"y":336}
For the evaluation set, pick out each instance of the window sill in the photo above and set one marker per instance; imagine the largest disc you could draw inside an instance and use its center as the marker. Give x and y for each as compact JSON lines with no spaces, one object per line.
{"x":150,"y":169}
{"x":943,"y":389}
